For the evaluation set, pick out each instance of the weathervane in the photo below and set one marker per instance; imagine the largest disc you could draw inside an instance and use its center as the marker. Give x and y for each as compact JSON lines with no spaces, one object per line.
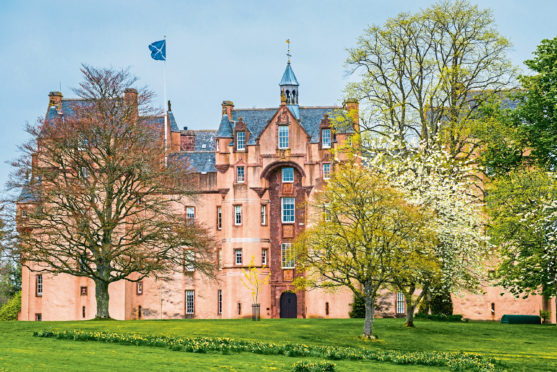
{"x":288,"y":53}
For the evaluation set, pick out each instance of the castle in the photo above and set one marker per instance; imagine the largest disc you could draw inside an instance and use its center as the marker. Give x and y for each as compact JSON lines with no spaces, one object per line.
{"x":256,"y":173}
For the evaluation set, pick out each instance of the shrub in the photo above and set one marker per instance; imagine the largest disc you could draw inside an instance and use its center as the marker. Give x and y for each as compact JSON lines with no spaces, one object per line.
{"x":10,"y":310}
{"x":358,"y":308}
{"x":545,"y":315}
{"x":305,"y":366}
{"x":439,"y":317}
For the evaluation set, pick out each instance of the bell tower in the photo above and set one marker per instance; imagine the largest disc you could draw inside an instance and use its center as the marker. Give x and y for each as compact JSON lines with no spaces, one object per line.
{"x":289,"y":84}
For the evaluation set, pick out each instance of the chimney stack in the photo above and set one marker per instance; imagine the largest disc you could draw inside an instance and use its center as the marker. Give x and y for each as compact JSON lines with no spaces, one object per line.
{"x":130,"y":98}
{"x":352,"y":106}
{"x":227,"y":107}
{"x":55,"y":99}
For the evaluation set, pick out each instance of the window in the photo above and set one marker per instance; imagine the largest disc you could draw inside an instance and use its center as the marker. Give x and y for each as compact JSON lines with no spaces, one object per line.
{"x":264,"y":256}
{"x":240,"y":141}
{"x":190,"y":214}
{"x":23,"y":213}
{"x":237,"y":215}
{"x":287,"y":174}
{"x":240,"y":174}
{"x":139,"y":201}
{"x":190,"y":302}
{"x":219,"y":302}
{"x":217,"y":145}
{"x":219,"y":258}
{"x":326,"y":171}
{"x":400,"y":303}
{"x":83,"y":291}
{"x":238,"y":256}
{"x":239,"y":308}
{"x":326,"y":308}
{"x":139,"y":288}
{"x":326,"y":138}
{"x":219,"y":218}
{"x":283,"y":137}
{"x":139,"y":312}
{"x":327,"y":212}
{"x":38,"y":317}
{"x":287,"y":210}
{"x":286,"y":256}
{"x":189,"y":258}
{"x":39,"y":285}
{"x":263,"y":214}
{"x":83,"y":312}
{"x":84,"y":172}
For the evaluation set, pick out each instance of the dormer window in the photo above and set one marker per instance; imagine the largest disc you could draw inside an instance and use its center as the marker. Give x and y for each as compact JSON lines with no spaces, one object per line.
{"x":240,"y":141}
{"x":326,"y":138}
{"x":283,"y":137}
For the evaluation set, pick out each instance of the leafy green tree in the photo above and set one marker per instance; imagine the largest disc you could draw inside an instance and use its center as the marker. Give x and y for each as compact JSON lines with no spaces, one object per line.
{"x":422,"y":76}
{"x":523,"y":210}
{"x":536,"y":114}
{"x":366,"y":233}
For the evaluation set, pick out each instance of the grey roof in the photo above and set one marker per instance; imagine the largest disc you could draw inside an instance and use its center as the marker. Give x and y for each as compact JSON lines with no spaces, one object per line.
{"x":173,"y":124}
{"x":288,"y":78}
{"x":225,"y":128}
{"x":26,"y":195}
{"x":198,"y":161}
{"x":257,"y":119}
{"x":205,"y":137}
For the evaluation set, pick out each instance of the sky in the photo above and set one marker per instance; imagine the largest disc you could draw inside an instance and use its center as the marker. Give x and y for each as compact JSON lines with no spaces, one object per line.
{"x":216,"y":50}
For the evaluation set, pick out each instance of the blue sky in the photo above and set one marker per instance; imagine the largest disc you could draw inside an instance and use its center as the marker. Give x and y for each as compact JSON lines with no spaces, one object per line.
{"x":217,"y":50}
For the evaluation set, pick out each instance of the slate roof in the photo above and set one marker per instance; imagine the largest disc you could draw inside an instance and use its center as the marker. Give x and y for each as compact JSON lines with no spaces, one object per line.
{"x":199,"y":161}
{"x":205,"y":140}
{"x":225,"y":128}
{"x":257,"y":119}
{"x":288,"y":78}
{"x":26,"y":195}
{"x":173,"y":124}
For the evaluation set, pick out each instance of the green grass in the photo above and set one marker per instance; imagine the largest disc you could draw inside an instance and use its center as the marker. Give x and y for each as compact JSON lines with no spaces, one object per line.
{"x":520,"y":347}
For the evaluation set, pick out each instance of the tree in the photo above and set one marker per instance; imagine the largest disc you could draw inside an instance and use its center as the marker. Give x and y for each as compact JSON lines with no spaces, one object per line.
{"x":98,"y":200}
{"x":366,"y":234}
{"x":536,"y":113}
{"x":422,"y":76}
{"x":430,"y":178}
{"x":523,"y":211}
{"x":253,"y":280}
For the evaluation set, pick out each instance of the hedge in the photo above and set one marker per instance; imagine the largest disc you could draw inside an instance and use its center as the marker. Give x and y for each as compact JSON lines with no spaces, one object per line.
{"x":11,"y":308}
{"x":439,"y":317}
{"x":454,"y":361}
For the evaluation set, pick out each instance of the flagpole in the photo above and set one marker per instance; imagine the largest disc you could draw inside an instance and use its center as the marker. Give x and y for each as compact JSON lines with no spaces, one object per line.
{"x":165,"y":109}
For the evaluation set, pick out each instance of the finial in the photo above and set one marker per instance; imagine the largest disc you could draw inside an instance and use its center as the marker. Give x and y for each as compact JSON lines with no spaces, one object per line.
{"x":169,"y":106}
{"x":288,"y":52}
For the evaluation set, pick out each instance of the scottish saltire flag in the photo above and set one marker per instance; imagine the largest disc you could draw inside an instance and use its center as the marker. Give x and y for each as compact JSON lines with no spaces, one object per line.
{"x":158,"y":50}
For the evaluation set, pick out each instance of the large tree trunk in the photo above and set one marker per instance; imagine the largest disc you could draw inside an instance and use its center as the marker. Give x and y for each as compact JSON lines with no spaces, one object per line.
{"x":410,"y":307}
{"x":370,"y":314}
{"x":101,"y":295}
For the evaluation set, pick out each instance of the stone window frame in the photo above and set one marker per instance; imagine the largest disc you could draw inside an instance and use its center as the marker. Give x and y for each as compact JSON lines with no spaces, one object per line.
{"x":264,"y":256}
{"x":400,"y":306}
{"x":329,"y":164}
{"x":241,"y":256}
{"x":139,"y":288}
{"x":83,"y":291}
{"x":236,"y":174}
{"x":282,"y":210}
{"x":39,"y":285}
{"x":219,"y":302}
{"x":219,"y":217}
{"x":188,"y":218}
{"x":329,"y":144}
{"x":286,"y":250}
{"x":282,"y":175}
{"x":237,"y":142}
{"x":263,"y":214}
{"x":280,"y":145}
{"x":192,"y":292}
{"x":238,"y":207}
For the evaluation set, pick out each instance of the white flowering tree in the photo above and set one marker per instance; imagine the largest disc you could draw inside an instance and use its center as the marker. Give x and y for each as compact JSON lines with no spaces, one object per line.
{"x":431,"y":178}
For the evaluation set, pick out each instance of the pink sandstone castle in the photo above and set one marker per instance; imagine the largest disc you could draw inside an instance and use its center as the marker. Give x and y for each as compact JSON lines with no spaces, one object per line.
{"x":256,"y":173}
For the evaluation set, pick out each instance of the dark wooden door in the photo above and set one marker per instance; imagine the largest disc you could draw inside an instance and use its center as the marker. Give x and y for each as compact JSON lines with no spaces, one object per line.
{"x":288,"y":305}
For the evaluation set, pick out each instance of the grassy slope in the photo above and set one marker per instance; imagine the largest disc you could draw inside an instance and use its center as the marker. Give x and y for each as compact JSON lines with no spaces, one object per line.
{"x":522,"y":347}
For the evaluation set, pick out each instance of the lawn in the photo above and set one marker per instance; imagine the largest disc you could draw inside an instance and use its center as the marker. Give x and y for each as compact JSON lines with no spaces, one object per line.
{"x":519,"y":347}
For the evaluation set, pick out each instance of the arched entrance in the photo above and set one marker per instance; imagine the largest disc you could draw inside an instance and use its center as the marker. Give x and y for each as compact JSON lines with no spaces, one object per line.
{"x":288,"y":305}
